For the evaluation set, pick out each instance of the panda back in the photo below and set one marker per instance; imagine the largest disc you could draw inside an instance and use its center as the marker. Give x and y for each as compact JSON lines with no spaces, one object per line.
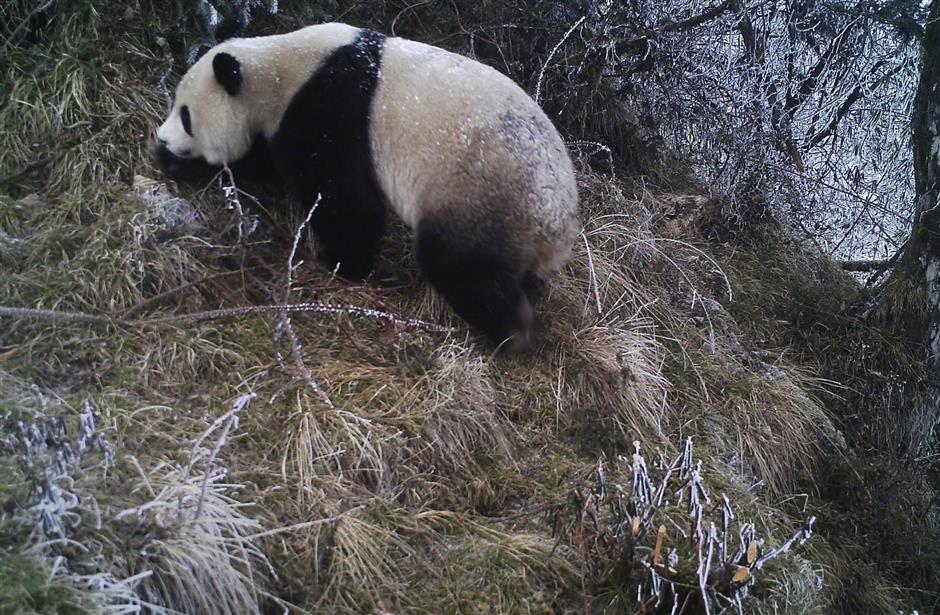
{"x":447,"y":131}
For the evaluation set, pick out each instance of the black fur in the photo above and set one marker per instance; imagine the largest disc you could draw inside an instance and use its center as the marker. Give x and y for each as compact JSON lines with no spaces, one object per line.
{"x":255,"y":167}
{"x":322,"y":146}
{"x":229,"y":27}
{"x":228,"y":72}
{"x":185,"y":169}
{"x":186,"y":121}
{"x":473,"y":264}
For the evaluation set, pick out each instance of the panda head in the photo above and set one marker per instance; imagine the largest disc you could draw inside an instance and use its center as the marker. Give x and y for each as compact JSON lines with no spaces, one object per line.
{"x":211,"y":118}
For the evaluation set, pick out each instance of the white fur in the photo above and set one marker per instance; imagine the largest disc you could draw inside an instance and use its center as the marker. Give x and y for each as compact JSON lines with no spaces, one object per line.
{"x":438,"y":140}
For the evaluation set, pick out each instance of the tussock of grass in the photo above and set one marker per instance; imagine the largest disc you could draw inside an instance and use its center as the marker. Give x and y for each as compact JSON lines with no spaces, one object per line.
{"x":66,"y":114}
{"x":610,"y":358}
{"x":168,"y":536}
{"x":364,"y":563}
{"x":454,"y":408}
{"x":470,"y":564}
{"x":144,"y":248}
{"x":763,"y":417}
{"x":383,"y":427}
{"x":781,"y":429}
{"x":197,"y":545}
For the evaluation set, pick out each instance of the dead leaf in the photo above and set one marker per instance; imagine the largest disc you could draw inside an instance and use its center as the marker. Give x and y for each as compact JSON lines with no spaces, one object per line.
{"x":8,"y":353}
{"x":144,"y":184}
{"x":31,"y":200}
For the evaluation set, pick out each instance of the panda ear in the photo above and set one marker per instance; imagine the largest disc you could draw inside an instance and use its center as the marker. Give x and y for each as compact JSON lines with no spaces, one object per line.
{"x":228,"y":28}
{"x":228,"y":72}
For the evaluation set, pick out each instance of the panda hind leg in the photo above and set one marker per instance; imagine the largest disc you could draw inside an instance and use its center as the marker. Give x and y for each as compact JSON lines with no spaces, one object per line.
{"x":485,"y":285}
{"x":534,"y":285}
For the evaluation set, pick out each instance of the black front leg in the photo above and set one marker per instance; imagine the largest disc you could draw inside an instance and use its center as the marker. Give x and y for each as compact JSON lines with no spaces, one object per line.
{"x":348,"y":228}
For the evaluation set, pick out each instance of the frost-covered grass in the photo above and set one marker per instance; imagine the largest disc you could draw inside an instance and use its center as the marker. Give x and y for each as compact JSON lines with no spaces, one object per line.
{"x":164,"y":450}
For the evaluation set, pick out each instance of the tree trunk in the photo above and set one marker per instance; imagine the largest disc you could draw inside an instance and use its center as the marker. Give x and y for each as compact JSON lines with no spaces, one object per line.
{"x":924,"y":246}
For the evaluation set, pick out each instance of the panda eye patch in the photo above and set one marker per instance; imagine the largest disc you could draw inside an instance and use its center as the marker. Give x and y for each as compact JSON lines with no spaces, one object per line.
{"x":184,"y":117}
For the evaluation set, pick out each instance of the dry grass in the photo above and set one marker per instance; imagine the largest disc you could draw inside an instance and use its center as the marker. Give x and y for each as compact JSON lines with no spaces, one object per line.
{"x":74,"y":109}
{"x":382,"y":464}
{"x":611,"y":357}
{"x":762,"y":417}
{"x":200,"y":549}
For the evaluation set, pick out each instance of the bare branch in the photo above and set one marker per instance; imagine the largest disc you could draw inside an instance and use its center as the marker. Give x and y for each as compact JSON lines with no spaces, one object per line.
{"x":864,"y":266}
{"x":670,"y":25}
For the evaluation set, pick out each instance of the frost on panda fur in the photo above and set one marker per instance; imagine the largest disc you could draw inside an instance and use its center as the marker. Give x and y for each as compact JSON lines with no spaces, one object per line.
{"x":457,"y":150}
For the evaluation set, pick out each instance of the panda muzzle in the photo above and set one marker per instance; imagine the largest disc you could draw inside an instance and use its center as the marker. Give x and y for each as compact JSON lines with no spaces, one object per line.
{"x":175,"y":166}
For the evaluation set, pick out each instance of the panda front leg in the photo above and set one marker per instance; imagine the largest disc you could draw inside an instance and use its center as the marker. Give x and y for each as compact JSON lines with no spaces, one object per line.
{"x":348,"y":228}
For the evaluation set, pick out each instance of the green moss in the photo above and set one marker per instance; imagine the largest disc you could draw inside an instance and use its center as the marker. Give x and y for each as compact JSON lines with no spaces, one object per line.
{"x":474,"y":574}
{"x":593,"y":433}
{"x":26,"y":589}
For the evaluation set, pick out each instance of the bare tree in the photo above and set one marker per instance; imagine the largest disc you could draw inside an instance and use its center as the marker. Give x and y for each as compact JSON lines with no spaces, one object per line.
{"x":799,"y":107}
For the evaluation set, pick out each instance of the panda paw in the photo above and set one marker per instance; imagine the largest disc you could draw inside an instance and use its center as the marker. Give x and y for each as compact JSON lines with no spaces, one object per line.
{"x":352,"y":269}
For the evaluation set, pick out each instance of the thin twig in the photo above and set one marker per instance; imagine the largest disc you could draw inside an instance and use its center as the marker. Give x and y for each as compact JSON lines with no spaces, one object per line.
{"x":520,"y":515}
{"x":25,"y":22}
{"x":230,"y":421}
{"x":871,"y":265}
{"x":592,"y":277}
{"x":538,"y":84}
{"x":670,"y":25}
{"x":296,"y":351}
{"x":302,"y":525}
{"x":231,"y":192}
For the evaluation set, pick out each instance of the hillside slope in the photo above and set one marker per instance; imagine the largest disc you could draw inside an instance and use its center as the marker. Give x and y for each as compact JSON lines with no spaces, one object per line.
{"x":174,"y":441}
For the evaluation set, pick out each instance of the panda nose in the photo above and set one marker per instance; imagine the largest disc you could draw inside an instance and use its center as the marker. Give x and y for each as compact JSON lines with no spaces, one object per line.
{"x":162,"y":142}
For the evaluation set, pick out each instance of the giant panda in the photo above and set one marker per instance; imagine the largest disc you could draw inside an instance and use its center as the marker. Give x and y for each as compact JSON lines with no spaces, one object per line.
{"x":368,"y":123}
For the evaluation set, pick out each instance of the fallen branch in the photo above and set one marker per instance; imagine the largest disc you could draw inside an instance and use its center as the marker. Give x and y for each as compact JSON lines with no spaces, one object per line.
{"x":322,"y":308}
{"x":43,"y":314}
{"x":29,"y":168}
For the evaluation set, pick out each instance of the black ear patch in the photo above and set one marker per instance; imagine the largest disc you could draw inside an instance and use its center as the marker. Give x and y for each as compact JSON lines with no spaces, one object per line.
{"x":228,"y":72}
{"x":229,"y":27}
